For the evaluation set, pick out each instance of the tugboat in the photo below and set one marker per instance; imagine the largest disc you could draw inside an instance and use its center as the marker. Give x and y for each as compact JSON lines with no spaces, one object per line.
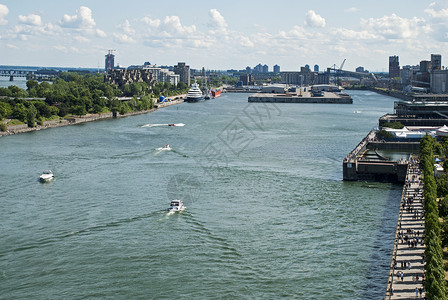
{"x":176,"y":206}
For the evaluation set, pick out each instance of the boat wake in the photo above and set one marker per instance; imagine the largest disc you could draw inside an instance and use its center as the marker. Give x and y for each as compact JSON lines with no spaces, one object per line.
{"x":159,"y":125}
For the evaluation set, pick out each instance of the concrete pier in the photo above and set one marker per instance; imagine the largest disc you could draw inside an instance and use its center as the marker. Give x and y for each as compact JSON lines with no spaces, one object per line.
{"x":409,"y":247}
{"x":306,"y":97}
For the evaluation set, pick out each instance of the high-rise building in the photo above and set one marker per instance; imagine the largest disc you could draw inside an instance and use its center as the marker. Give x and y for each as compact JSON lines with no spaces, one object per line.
{"x":436,"y":62}
{"x":394,"y":67}
{"x":109,"y":61}
{"x":183,"y":71}
{"x":359,"y":69}
{"x":276,"y":69}
{"x":265,"y":69}
{"x":316,"y":68}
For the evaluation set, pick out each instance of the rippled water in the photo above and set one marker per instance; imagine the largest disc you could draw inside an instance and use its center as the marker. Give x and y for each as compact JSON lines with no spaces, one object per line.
{"x":267,"y":216}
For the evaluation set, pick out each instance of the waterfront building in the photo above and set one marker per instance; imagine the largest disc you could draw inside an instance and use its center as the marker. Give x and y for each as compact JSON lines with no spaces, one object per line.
{"x":316,"y":68}
{"x":394,"y":67}
{"x":436,"y":62}
{"x":109,"y":61}
{"x":276,"y":69}
{"x":183,"y":71}
{"x":360,"y":69}
{"x":120,"y":76}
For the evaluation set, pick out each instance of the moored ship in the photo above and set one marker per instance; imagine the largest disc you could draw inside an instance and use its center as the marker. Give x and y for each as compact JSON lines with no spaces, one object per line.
{"x":216,"y":93}
{"x":194,"y":93}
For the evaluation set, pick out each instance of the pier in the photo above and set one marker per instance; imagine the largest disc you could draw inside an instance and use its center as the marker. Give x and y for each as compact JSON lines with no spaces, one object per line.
{"x":407,"y":265}
{"x":357,"y":165}
{"x":306,"y":97}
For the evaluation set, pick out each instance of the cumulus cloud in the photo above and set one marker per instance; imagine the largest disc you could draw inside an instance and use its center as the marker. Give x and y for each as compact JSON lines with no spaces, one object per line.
{"x":395,"y":27}
{"x":435,"y":11}
{"x":82,"y":19}
{"x":349,"y":34}
{"x":123,"y":38}
{"x":314,"y":20}
{"x":31,"y":19}
{"x":217,"y":21}
{"x":4,"y":11}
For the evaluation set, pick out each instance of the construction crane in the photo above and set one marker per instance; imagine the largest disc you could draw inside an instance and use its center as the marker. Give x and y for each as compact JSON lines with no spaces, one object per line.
{"x":338,"y":71}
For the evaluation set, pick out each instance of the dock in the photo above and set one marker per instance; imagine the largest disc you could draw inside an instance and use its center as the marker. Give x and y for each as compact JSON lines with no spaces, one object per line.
{"x":359,"y":166}
{"x":409,"y":248}
{"x":305,"y":97}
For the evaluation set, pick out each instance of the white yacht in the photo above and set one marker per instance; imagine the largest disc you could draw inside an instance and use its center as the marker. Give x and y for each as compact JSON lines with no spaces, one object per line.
{"x":194,"y":93}
{"x":175,"y":206}
{"x":46,"y":176}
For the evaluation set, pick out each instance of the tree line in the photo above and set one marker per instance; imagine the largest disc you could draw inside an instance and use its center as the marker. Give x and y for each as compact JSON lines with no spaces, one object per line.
{"x":436,"y":232}
{"x":78,"y":94}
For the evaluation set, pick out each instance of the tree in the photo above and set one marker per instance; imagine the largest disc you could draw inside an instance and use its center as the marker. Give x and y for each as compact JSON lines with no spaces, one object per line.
{"x":5,"y":110}
{"x":31,"y":116}
{"x":79,"y":110}
{"x":19,"y":112}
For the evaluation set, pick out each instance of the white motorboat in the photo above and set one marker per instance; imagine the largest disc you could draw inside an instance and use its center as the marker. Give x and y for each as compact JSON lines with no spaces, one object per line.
{"x":46,"y":176}
{"x":176,"y":205}
{"x":166,"y":147}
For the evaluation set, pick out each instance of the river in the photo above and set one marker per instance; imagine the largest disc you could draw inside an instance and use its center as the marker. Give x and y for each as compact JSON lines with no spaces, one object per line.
{"x":267,"y":216}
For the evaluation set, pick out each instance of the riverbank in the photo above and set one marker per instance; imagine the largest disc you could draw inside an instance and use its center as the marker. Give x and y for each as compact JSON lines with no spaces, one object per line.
{"x":72,"y":120}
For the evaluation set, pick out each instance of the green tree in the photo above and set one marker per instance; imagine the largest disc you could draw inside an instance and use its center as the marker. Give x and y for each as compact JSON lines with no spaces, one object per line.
{"x":19,"y":112}
{"x":31,"y":116}
{"x":5,"y":110}
{"x":79,"y":110}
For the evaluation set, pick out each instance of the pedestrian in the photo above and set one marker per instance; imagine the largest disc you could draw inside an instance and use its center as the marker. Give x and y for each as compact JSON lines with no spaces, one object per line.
{"x":402,"y":276}
{"x":420,"y":290}
{"x":416,"y":292}
{"x":409,"y":265}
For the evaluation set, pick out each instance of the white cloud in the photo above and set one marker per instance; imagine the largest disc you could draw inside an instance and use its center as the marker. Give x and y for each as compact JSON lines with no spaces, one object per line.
{"x":100,"y":33}
{"x":395,"y":27}
{"x":436,"y":11}
{"x":4,"y":11}
{"x":217,"y":21}
{"x":172,"y":25}
{"x":123,"y":38}
{"x":126,"y":27}
{"x":31,"y":19}
{"x":349,"y":34}
{"x":151,"y":23}
{"x":351,"y":10}
{"x":11,"y":46}
{"x":82,"y":19}
{"x":314,"y":20}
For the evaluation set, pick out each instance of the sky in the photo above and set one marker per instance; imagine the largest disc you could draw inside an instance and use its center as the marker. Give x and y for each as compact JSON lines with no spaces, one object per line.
{"x":223,"y":34}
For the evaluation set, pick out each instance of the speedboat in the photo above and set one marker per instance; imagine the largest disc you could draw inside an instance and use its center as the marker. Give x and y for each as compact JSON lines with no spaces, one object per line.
{"x":166,"y":147}
{"x":175,"y":206}
{"x":46,"y":176}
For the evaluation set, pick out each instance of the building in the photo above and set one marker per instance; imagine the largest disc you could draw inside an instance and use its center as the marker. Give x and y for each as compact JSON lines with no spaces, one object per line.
{"x":265,"y":69}
{"x":183,"y":71}
{"x":436,"y":62}
{"x":276,"y":69}
{"x":109,"y":61}
{"x":316,"y":68}
{"x":359,"y":70}
{"x":247,"y":79}
{"x":439,"y":81}
{"x":394,"y":67}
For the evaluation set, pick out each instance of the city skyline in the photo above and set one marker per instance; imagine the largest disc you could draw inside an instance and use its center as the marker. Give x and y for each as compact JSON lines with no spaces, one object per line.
{"x":218,"y":35}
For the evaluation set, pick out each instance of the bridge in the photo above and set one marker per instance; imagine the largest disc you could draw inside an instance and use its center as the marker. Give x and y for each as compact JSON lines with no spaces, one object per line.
{"x":15,"y":73}
{"x":39,"y":75}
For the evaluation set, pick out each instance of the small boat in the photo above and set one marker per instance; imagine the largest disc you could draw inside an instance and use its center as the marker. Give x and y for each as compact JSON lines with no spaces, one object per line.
{"x":165,"y":147}
{"x":176,"y":206}
{"x":46,"y":176}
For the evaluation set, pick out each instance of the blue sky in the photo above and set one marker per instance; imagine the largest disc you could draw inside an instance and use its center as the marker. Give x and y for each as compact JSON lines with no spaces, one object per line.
{"x":222,"y":34}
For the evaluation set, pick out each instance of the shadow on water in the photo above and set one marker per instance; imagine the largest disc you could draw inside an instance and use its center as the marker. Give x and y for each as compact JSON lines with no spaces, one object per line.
{"x":376,"y":275}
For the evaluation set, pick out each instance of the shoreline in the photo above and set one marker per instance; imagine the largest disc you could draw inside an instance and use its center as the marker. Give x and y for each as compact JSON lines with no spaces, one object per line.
{"x":73,"y":120}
